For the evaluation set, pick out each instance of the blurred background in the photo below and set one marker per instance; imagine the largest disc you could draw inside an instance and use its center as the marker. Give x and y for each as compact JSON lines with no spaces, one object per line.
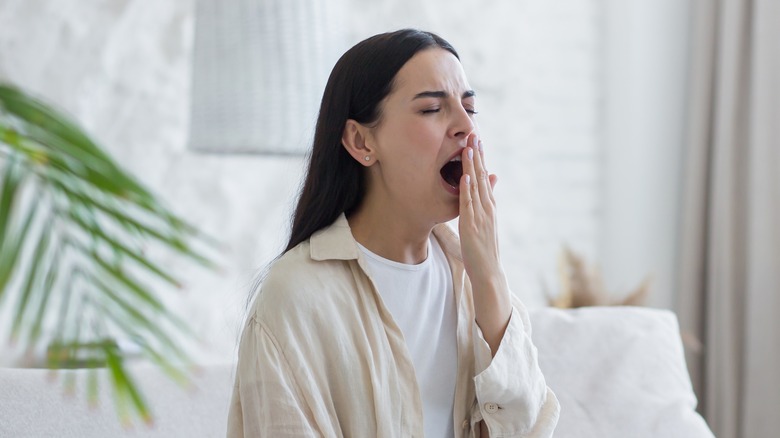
{"x":640,"y":134}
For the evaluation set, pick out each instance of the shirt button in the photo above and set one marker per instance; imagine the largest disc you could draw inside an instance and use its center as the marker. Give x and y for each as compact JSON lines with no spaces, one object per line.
{"x":491,"y":408}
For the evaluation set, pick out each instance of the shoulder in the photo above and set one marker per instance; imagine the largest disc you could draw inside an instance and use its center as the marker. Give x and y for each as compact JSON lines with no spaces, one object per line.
{"x":297,"y":272}
{"x":300,"y":288}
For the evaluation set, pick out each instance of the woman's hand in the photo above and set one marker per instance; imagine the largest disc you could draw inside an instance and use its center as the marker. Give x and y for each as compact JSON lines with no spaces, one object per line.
{"x":479,"y":245}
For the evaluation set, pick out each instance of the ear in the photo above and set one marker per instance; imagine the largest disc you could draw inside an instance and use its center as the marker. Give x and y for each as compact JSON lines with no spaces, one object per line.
{"x":354,"y":141}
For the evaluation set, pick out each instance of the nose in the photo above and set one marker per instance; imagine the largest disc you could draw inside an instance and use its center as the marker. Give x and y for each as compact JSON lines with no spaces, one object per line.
{"x":462,"y":124}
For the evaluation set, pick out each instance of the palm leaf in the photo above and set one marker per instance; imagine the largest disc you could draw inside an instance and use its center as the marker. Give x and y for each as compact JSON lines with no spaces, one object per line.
{"x":11,"y":180}
{"x":27,"y":290}
{"x":10,"y":250}
{"x":75,"y":276}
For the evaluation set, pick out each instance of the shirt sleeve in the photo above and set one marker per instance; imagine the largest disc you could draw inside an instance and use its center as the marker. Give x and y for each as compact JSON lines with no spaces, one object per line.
{"x":512,"y":396}
{"x":266,"y":400}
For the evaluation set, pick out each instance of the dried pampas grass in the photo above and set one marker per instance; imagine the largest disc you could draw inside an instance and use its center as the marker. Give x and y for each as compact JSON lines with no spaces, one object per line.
{"x":582,"y":285}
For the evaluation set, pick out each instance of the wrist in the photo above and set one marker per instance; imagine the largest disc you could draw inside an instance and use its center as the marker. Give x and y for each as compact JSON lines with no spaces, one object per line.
{"x":490,"y":284}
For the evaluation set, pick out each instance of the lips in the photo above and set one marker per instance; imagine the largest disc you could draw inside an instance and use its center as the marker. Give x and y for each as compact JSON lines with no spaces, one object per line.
{"x":452,"y":171}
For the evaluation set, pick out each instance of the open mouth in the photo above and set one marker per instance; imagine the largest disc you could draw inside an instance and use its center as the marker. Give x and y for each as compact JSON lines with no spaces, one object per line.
{"x":452,"y":171}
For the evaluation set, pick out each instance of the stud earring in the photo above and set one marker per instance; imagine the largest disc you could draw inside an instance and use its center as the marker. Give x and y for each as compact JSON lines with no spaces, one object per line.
{"x":367,"y":158}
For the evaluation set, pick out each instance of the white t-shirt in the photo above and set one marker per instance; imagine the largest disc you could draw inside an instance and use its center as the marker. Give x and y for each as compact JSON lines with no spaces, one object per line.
{"x":421,"y":301}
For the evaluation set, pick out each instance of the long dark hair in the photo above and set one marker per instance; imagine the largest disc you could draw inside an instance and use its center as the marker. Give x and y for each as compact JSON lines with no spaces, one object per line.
{"x":361,"y":79}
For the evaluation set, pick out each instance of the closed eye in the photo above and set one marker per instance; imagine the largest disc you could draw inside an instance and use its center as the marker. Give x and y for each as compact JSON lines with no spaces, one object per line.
{"x":431,"y":111}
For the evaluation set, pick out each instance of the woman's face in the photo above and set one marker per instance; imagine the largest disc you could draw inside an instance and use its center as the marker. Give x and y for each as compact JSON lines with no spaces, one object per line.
{"x":424,"y":124}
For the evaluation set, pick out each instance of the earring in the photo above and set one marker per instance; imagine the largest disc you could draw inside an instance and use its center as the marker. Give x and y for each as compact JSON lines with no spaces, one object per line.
{"x":367,"y":158}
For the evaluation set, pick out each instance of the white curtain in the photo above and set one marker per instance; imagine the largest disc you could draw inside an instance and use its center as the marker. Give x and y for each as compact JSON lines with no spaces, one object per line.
{"x":730,"y":245}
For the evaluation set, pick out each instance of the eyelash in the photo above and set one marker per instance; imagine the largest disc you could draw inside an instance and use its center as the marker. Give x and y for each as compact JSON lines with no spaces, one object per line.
{"x":431,"y":111}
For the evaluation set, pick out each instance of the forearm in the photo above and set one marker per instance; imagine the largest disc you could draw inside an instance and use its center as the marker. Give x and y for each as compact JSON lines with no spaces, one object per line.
{"x":493,"y":307}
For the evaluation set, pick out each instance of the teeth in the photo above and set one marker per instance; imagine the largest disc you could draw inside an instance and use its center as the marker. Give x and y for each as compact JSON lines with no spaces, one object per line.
{"x":457,"y":158}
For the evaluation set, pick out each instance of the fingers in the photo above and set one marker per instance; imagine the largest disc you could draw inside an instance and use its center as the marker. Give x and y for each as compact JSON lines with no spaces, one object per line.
{"x":481,"y":183}
{"x":466,"y":203}
{"x":485,"y":181}
{"x":468,"y":159}
{"x":492,"y":178}
{"x":482,"y":175}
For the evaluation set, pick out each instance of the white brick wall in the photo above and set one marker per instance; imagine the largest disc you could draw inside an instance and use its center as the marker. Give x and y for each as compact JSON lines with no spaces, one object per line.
{"x":536,"y":68}
{"x":122,"y":68}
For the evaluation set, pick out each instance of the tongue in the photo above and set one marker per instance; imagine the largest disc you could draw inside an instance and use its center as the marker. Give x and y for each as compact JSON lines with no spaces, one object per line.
{"x":451,"y":172}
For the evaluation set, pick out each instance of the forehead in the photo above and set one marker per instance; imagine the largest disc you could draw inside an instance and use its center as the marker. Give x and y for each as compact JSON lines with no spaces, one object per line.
{"x":429,"y":70}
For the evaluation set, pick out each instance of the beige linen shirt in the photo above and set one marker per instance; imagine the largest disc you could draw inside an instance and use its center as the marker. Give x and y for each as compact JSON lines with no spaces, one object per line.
{"x":320,"y":355}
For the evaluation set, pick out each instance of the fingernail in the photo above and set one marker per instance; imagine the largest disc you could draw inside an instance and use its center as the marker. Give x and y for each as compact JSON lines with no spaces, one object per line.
{"x":474,"y":141}
{"x":468,"y":179}
{"x":480,"y":145}
{"x":470,"y":153}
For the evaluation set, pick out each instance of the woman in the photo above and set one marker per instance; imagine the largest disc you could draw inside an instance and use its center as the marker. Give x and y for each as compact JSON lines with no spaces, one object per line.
{"x":377,"y":321}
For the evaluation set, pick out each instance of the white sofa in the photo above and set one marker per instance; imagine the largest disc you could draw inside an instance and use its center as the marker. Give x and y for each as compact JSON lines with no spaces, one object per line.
{"x":618,"y":372}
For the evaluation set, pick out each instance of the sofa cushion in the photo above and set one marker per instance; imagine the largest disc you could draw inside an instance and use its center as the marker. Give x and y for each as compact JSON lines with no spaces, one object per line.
{"x":32,"y":404}
{"x":617,"y":372}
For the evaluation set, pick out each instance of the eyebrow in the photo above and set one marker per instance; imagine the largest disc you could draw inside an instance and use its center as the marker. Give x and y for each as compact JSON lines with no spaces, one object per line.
{"x":442,"y":94}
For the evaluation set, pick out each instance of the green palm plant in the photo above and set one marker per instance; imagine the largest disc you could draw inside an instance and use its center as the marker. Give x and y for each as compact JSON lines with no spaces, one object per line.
{"x":73,"y":228}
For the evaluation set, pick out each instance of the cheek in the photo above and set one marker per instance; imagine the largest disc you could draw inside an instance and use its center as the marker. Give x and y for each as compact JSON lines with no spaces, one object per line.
{"x":423,"y":140}
{"x":416,"y":146}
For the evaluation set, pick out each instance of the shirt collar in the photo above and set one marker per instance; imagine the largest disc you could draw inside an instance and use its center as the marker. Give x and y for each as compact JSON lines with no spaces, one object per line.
{"x":335,"y":242}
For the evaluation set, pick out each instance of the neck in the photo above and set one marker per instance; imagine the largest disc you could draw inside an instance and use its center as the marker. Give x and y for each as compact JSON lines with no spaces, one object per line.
{"x":390,"y":233}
